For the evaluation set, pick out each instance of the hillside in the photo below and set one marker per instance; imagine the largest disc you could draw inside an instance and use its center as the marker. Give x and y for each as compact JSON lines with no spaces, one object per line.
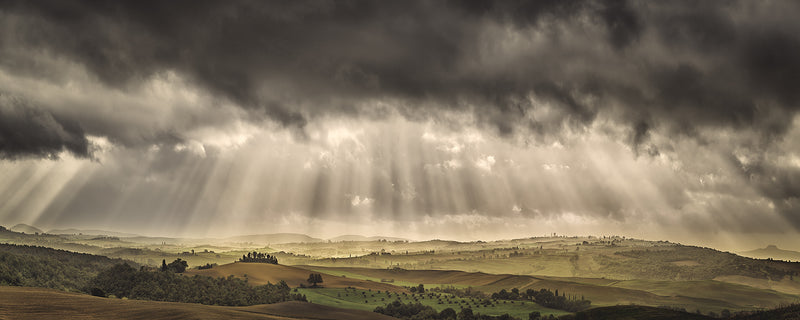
{"x":261,"y":273}
{"x":36,"y":303}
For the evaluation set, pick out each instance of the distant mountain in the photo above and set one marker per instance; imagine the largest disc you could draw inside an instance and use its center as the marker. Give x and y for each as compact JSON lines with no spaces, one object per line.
{"x":363,"y":238}
{"x":273,"y":238}
{"x":24,"y":228}
{"x":92,"y":232}
{"x":772,"y":251}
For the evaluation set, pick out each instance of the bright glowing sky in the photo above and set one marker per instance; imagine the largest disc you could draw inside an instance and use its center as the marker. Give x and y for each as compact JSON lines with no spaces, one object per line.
{"x":418,"y":119}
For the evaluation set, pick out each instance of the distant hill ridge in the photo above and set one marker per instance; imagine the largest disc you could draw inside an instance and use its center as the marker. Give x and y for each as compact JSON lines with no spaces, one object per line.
{"x":267,"y":238}
{"x":273,"y":238}
{"x":94,"y":232}
{"x":24,"y":228}
{"x":772,"y":251}
{"x":351,"y":237}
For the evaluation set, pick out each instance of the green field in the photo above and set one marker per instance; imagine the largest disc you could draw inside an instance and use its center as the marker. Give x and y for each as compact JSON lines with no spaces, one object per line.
{"x":368,"y":300}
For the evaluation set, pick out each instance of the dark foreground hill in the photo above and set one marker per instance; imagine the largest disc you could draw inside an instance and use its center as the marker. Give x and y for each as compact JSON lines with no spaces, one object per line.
{"x":634,"y":313}
{"x":631,"y":312}
{"x":37,"y":303}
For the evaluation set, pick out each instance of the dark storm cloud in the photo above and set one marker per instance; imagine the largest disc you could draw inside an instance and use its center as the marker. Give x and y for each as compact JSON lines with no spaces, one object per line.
{"x":297,"y":60}
{"x":778,"y":183}
{"x":26,"y":131}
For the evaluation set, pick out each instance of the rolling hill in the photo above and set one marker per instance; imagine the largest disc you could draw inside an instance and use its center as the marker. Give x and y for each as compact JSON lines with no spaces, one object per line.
{"x":261,"y":273}
{"x":707,"y":295}
{"x":37,"y":303}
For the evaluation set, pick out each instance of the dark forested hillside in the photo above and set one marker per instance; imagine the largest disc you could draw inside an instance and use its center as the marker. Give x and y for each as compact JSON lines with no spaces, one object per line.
{"x":33,"y":266}
{"x":124,"y":281}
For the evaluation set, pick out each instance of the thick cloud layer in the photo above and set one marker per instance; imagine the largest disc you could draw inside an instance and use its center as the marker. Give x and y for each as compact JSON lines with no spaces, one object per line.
{"x":678,"y":65}
{"x":689,"y":82}
{"x":26,"y":131}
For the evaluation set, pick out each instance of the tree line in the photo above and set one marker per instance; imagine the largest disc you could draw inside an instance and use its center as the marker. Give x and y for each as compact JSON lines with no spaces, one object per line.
{"x":418,"y":311}
{"x":546,"y":298}
{"x":258,"y":257}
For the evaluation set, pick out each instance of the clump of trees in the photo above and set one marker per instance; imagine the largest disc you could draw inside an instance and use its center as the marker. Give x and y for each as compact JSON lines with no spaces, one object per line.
{"x":549,"y":299}
{"x":206,"y":266}
{"x":177,"y":266}
{"x":467,"y":292}
{"x":401,"y":310}
{"x":258,"y":257}
{"x":314,"y":278}
{"x":418,"y":289}
{"x":418,"y":311}
{"x":545,"y":298}
{"x":123,"y":281}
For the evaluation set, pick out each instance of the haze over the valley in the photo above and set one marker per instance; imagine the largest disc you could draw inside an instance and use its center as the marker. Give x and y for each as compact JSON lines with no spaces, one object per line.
{"x":417,"y":119}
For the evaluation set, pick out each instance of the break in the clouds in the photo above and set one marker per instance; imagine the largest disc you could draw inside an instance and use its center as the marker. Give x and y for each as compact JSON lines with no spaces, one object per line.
{"x":571,"y":115}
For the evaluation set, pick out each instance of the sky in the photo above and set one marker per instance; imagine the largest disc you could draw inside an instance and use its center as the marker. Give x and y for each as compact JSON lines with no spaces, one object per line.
{"x":465,"y":120}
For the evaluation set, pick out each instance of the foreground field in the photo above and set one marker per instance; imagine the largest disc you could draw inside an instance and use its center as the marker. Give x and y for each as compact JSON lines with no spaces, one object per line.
{"x":37,"y":303}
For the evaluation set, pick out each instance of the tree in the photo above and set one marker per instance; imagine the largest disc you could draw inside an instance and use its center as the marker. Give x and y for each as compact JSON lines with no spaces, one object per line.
{"x":421,"y":288}
{"x":534,"y":315}
{"x":163,"y":264}
{"x":314,"y":278}
{"x":466,"y":314}
{"x":448,"y":314}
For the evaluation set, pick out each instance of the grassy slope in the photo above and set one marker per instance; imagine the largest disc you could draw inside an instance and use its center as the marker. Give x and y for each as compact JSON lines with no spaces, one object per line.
{"x":37,"y":303}
{"x":354,"y":299}
{"x":785,"y":285}
{"x":734,"y":293}
{"x":261,"y":273}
